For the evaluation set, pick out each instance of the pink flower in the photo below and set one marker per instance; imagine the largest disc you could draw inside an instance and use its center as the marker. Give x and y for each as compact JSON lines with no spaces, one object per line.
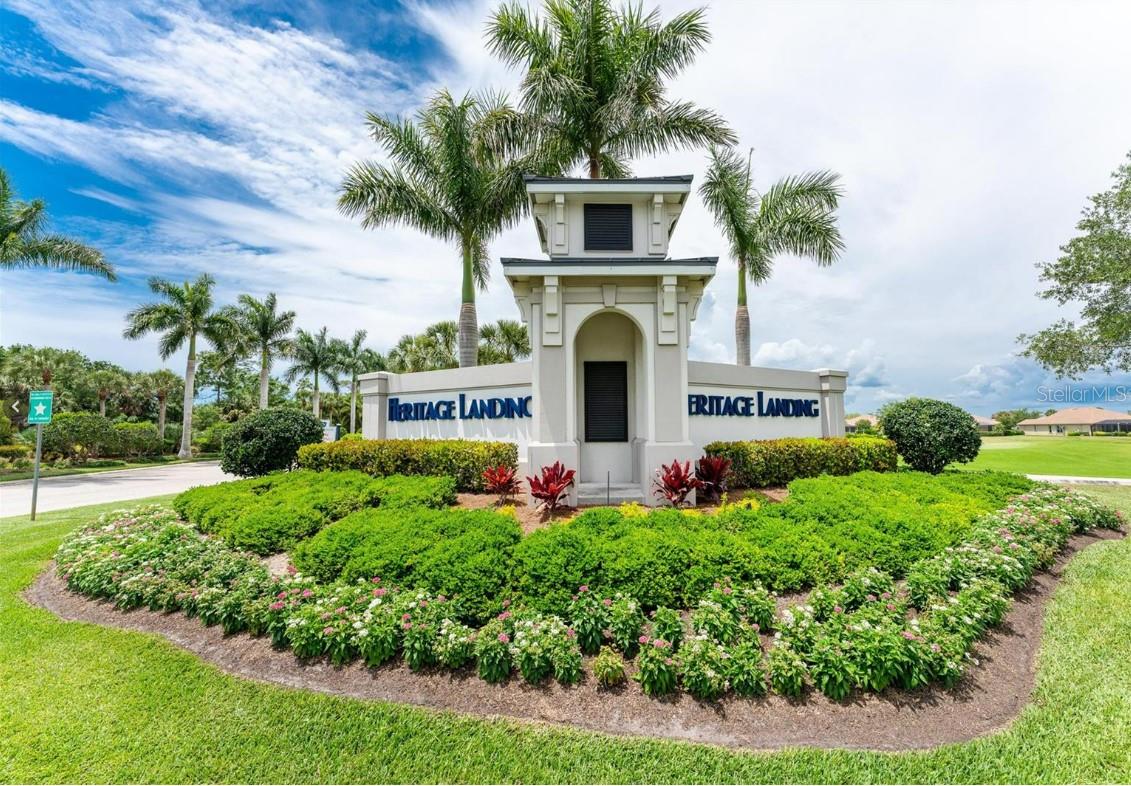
{"x":504,"y":638}
{"x":757,"y":627}
{"x":571,"y":633}
{"x":935,"y":648}
{"x":886,"y":595}
{"x":379,"y":592}
{"x":376,"y":579}
{"x":281,"y":595}
{"x":643,"y":639}
{"x":837,"y":609}
{"x":407,"y":626}
{"x":291,"y":569}
{"x":441,"y":599}
{"x":327,"y":631}
{"x":727,"y":590}
{"x":276,"y":605}
{"x":506,"y":615}
{"x":659,"y":643}
{"x":583,"y":588}
{"x":669,"y":661}
{"x":340,"y":610}
{"x":608,"y":602}
{"x":506,"y":603}
{"x":908,"y":635}
{"x":406,"y":617}
{"x":423,"y":604}
{"x":307,"y":593}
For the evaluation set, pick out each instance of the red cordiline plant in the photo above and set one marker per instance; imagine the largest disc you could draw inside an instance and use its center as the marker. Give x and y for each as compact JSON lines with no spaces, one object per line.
{"x":675,"y":481}
{"x":552,"y":486}
{"x":501,"y":481}
{"x":712,"y":473}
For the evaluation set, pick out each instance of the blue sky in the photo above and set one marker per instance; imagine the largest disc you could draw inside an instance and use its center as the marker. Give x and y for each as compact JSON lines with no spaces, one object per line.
{"x":190,"y":137}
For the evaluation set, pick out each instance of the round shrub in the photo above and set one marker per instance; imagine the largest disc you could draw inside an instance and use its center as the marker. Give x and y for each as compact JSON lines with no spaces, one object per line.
{"x":80,"y":435}
{"x":930,"y":434}
{"x":267,"y":441}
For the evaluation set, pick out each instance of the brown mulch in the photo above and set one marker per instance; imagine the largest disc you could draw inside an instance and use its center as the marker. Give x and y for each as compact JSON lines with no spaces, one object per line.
{"x":986,"y":700}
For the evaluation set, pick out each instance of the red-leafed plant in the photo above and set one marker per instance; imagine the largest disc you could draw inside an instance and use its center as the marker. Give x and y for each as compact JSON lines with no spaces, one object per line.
{"x":552,"y":486}
{"x":500,"y":480}
{"x":675,"y":482}
{"x":712,"y":472}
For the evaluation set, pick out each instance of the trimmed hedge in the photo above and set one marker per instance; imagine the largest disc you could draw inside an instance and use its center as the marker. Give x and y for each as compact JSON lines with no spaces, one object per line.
{"x":462,"y":459}
{"x":274,"y":512}
{"x":267,"y":441}
{"x":825,"y":530}
{"x":776,"y":462}
{"x":463,"y":554}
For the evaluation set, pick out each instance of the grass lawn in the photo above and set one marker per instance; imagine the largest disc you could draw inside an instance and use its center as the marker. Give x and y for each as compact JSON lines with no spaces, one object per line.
{"x":55,"y":473}
{"x":1096,"y":457}
{"x":82,"y":703}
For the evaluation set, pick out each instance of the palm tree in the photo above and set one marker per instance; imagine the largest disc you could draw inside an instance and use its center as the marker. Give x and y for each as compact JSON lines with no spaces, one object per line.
{"x":107,"y":382}
{"x":433,"y":349}
{"x":797,"y":215}
{"x":268,"y":333}
{"x":315,"y":355}
{"x":504,"y":341}
{"x":595,"y":81}
{"x":23,"y":244}
{"x":353,"y":360}
{"x":163,"y":383}
{"x":452,"y":178}
{"x":184,"y":313}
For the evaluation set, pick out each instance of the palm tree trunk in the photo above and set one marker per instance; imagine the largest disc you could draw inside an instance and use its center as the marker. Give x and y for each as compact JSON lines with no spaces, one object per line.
{"x":353,"y":404}
{"x":594,"y":167}
{"x":742,"y":320}
{"x":161,"y":402}
{"x":468,"y":324}
{"x":264,"y":379}
{"x":102,"y":406}
{"x":190,"y":390}
{"x":316,"y":400}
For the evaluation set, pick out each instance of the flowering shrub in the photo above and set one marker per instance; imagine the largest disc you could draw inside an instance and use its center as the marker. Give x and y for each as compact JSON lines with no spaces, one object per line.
{"x":711,"y":471}
{"x":626,"y":621}
{"x":552,"y":486}
{"x":787,"y":668}
{"x":544,"y":645}
{"x":703,"y":668}
{"x":493,"y":652}
{"x":745,"y":668}
{"x":608,"y":668}
{"x":675,"y":482}
{"x":714,"y":619}
{"x":655,"y":668}
{"x":502,"y":481}
{"x":590,"y":618}
{"x":455,"y":644}
{"x":667,"y":625}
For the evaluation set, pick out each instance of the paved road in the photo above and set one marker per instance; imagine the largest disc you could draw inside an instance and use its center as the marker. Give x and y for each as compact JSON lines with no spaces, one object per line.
{"x":70,"y":491}
{"x":1072,"y":479}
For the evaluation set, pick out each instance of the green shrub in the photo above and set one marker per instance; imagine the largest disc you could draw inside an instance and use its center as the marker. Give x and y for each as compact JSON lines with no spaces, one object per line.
{"x":931,"y":434}
{"x":273,"y":513}
{"x":15,"y":451}
{"x":137,"y":439}
{"x":211,"y":439}
{"x":776,"y":462}
{"x":267,"y":441}
{"x":463,"y":554}
{"x":80,"y":435}
{"x":463,"y":459}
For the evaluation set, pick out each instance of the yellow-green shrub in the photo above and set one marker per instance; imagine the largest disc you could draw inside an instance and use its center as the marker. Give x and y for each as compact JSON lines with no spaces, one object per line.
{"x":776,"y":462}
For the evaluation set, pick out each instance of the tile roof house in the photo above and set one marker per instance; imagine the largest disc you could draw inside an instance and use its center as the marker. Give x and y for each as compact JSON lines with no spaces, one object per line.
{"x":1086,"y":420}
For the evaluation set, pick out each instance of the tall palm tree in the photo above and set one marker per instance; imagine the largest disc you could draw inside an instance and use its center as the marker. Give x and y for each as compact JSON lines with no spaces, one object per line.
{"x":354,"y":360}
{"x":268,"y":333}
{"x":797,"y":215}
{"x":504,"y":341}
{"x":184,"y":313}
{"x":433,"y":349}
{"x":595,"y":80}
{"x":315,"y":355}
{"x":452,"y":177}
{"x":23,"y":243}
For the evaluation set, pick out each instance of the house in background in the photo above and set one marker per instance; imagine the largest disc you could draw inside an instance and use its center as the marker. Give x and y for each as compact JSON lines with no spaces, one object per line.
{"x":985,"y":424}
{"x":851,"y":424}
{"x":1085,"y":420}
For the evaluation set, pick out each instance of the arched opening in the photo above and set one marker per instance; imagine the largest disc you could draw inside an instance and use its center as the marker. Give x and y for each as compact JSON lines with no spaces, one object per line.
{"x":609,"y":374}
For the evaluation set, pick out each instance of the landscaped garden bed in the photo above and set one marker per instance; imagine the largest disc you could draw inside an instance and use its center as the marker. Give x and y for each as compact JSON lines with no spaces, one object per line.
{"x":867,"y":633}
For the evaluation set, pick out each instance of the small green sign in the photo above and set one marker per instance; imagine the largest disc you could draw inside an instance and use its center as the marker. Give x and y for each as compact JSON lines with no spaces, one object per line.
{"x":39,"y":406}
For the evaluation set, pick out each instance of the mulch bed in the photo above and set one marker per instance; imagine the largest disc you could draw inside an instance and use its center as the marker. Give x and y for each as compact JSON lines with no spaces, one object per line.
{"x":986,"y":700}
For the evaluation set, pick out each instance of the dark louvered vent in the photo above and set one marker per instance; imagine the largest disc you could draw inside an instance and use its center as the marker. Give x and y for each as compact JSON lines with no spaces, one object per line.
{"x":608,"y":227}
{"x":606,"y":401}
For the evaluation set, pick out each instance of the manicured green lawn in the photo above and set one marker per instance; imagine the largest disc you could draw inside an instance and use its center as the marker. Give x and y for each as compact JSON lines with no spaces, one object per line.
{"x":83,"y":703}
{"x":1093,"y":457}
